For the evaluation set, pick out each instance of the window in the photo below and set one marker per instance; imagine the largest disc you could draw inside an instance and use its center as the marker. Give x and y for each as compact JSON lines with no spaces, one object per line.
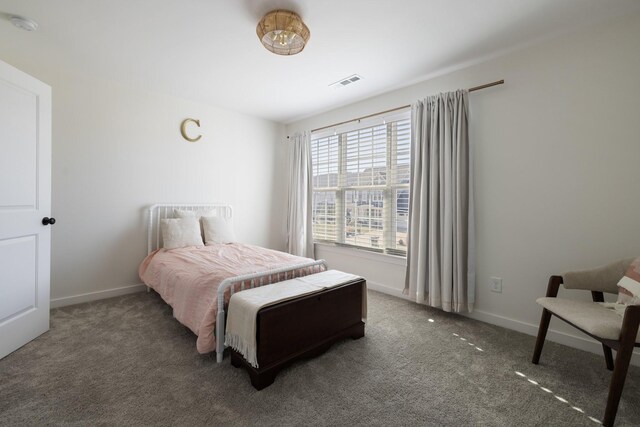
{"x":361,"y":185}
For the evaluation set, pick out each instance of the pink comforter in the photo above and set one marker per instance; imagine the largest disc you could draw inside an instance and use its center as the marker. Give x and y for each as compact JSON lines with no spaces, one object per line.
{"x":188,"y":279}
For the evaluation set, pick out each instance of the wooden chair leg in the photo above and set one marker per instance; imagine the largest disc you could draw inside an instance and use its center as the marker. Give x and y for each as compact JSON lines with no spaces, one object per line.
{"x":623,"y":359}
{"x":542,"y":334}
{"x":608,"y":356}
{"x":628,"y":336}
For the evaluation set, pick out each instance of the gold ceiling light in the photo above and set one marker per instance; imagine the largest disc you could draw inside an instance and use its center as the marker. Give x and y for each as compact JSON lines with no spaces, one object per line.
{"x":283,"y":32}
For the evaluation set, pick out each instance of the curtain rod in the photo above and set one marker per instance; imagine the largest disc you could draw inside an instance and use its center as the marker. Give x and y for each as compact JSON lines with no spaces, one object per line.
{"x":473,"y":89}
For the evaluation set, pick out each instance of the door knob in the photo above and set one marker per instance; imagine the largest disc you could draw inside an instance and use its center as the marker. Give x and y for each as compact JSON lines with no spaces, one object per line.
{"x":46,"y":221}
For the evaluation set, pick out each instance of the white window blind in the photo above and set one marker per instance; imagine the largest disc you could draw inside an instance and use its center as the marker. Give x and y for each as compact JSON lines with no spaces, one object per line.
{"x":361,"y":184}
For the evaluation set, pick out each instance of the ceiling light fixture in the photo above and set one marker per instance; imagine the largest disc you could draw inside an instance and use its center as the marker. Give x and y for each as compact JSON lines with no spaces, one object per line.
{"x":283,"y":32}
{"x":23,"y":23}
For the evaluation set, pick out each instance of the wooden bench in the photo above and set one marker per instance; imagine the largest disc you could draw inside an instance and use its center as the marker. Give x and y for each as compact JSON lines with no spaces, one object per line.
{"x":303,"y":327}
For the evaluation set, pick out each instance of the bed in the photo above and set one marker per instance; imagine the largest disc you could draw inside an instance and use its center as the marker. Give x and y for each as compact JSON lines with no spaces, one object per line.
{"x":198,"y":281}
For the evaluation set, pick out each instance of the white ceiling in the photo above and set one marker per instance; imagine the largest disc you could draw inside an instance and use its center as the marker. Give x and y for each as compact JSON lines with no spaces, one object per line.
{"x":208,"y":51}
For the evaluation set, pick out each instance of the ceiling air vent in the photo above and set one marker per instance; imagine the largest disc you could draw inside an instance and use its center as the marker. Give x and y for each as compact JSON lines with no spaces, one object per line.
{"x":346,"y":81}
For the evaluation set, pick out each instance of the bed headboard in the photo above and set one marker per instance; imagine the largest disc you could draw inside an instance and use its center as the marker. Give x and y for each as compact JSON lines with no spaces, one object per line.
{"x":165,"y":210}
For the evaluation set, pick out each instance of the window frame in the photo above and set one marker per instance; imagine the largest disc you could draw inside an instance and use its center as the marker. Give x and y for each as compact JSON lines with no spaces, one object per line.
{"x":390,"y":189}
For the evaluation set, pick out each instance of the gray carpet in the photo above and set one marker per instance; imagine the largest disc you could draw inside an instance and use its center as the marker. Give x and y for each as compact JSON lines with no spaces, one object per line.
{"x":126,"y":361}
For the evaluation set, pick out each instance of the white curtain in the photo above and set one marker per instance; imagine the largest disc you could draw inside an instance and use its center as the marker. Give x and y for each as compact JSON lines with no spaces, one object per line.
{"x":299,"y":232}
{"x":441,"y":248}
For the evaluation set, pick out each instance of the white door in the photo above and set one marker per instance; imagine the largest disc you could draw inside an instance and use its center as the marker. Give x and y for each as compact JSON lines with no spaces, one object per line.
{"x":25,"y":199}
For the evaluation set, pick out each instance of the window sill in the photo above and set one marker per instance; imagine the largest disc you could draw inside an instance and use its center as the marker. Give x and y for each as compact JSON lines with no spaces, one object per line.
{"x":361,"y":253}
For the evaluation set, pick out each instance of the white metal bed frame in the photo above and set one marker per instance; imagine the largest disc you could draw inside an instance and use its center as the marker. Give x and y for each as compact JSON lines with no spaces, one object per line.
{"x":161,"y":211}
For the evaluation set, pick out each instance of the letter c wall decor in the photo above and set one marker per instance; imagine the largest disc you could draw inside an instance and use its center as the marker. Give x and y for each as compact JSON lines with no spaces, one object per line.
{"x":183,"y":130}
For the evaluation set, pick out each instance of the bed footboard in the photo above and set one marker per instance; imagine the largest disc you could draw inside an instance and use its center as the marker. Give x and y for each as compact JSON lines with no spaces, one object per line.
{"x":321,"y":319}
{"x":254,"y":280}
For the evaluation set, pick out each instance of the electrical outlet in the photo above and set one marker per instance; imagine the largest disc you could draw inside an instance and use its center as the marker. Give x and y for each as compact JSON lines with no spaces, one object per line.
{"x":496,"y":284}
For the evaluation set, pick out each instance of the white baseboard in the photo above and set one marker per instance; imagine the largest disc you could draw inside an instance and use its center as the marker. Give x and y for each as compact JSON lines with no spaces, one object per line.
{"x":559,"y":337}
{"x":98,"y":295}
{"x":379,"y":287}
{"x":582,"y":343}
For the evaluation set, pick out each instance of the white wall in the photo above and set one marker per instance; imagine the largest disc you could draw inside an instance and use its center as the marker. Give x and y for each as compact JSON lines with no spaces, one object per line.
{"x":117,"y":150}
{"x":556,"y":159}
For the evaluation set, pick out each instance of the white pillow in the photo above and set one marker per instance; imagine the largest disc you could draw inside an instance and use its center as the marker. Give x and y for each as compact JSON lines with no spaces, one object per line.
{"x":180,"y":232}
{"x":199,"y":213}
{"x":218,"y":230}
{"x":184,"y":213}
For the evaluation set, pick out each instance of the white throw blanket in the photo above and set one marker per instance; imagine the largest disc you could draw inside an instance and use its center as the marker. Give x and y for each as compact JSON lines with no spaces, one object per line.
{"x":244,"y":306}
{"x":618,"y":308}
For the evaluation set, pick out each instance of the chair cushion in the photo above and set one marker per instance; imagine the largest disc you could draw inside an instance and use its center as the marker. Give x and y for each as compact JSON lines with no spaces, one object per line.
{"x":592,"y":317}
